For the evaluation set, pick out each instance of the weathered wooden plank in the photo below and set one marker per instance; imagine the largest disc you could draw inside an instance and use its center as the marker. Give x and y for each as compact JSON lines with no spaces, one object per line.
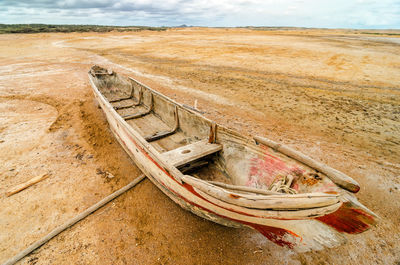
{"x":119,"y":99}
{"x":191,"y":152}
{"x":127,"y":106}
{"x":138,"y":115}
{"x":137,"y":103}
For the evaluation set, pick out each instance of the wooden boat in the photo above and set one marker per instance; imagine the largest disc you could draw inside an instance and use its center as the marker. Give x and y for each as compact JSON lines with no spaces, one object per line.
{"x":228,"y":178}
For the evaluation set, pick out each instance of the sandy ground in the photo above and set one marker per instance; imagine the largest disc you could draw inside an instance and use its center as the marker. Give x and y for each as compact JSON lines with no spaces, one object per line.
{"x":335,"y":95}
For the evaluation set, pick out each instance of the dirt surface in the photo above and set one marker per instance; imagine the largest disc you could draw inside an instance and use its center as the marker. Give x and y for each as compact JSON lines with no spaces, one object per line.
{"x":335,"y":95}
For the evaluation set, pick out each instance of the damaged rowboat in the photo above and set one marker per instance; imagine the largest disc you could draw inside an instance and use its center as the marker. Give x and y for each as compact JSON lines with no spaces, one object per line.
{"x":228,"y":178}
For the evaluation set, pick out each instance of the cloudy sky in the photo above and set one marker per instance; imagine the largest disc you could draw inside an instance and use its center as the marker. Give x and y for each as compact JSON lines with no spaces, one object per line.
{"x":301,"y":13}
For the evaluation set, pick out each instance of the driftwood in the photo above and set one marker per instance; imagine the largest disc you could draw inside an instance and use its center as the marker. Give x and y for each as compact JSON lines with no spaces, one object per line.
{"x":25,"y":185}
{"x":72,"y":221}
{"x":336,"y":176}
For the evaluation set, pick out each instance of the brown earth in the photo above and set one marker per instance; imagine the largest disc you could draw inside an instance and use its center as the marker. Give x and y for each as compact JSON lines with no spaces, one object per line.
{"x":333,"y":94}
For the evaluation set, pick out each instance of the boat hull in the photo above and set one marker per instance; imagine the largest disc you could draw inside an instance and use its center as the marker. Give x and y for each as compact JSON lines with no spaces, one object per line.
{"x":296,"y":232}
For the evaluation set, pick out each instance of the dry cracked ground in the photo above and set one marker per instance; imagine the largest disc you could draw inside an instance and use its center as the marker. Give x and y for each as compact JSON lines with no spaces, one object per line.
{"x":333,"y":94}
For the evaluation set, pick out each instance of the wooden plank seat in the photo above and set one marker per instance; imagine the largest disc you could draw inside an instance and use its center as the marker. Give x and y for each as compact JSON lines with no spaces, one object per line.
{"x":137,"y":103}
{"x":162,"y":134}
{"x":131,"y":96}
{"x":134,"y":104}
{"x":138,"y":115}
{"x":119,"y":99}
{"x":189,"y":153}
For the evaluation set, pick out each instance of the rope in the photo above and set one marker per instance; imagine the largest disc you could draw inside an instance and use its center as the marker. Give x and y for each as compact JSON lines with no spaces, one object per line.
{"x":72,"y":221}
{"x":283,"y":185}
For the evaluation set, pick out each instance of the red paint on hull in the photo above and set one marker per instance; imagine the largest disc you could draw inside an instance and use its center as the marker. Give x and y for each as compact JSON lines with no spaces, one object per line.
{"x":279,"y":236}
{"x":267,"y":168}
{"x":348,"y":219}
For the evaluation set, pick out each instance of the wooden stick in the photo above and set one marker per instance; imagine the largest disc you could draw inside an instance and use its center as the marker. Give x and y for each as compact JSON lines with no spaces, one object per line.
{"x":25,"y":185}
{"x":72,"y":221}
{"x":336,"y":176}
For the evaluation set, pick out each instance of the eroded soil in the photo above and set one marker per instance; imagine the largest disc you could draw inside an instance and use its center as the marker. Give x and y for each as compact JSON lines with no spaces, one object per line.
{"x":335,"y":95}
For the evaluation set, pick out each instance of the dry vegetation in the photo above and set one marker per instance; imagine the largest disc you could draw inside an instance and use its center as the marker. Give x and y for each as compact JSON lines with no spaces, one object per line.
{"x":334,"y":94}
{"x":41,"y":28}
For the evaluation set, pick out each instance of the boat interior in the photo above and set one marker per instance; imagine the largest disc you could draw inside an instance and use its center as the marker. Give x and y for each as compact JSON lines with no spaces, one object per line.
{"x":177,"y":133}
{"x":197,"y":146}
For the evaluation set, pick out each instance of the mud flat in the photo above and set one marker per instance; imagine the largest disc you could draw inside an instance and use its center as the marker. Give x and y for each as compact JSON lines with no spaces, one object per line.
{"x":333,"y":94}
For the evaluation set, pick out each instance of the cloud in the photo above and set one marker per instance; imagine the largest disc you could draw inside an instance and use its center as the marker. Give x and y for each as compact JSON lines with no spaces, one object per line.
{"x":308,"y":13}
